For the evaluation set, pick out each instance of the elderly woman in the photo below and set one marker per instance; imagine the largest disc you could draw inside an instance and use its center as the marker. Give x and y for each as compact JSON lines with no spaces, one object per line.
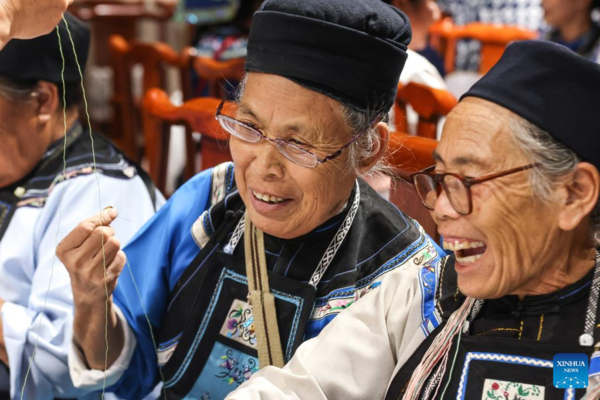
{"x":515,"y":194}
{"x":249,"y":259}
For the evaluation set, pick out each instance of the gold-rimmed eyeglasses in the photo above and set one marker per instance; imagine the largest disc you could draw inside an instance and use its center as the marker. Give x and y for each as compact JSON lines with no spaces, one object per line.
{"x":293,"y":152}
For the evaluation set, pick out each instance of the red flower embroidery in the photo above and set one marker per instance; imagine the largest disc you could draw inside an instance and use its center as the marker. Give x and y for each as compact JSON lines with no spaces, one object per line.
{"x":495,"y":386}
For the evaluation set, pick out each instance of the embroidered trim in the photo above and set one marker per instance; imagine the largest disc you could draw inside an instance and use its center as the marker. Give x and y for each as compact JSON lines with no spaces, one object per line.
{"x":521,"y":329}
{"x":4,"y":208}
{"x":219,"y":182}
{"x":229,"y":178}
{"x":438,"y":294}
{"x":504,"y":358}
{"x":496,"y":330}
{"x":338,"y":300}
{"x":541,"y":327}
{"x":228,"y":274}
{"x":337,"y":241}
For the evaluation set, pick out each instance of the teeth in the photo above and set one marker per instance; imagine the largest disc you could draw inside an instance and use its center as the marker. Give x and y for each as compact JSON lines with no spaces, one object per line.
{"x":267,"y":198}
{"x":468,"y":260}
{"x":455,"y":246}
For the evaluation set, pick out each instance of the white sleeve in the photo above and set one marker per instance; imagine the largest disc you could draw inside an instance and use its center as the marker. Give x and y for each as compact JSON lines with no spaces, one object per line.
{"x":356,"y":355}
{"x":44,"y":319}
{"x":93,"y":379}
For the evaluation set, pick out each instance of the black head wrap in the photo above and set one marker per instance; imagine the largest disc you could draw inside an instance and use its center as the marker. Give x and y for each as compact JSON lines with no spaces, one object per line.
{"x":553,"y":88}
{"x":350,"y":50}
{"x":39,"y":59}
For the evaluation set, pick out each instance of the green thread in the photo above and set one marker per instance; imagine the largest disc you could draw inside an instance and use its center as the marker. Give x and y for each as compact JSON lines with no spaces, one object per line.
{"x":102,"y":237}
{"x":99,"y":205}
{"x":137,"y":290}
{"x":62,"y":178}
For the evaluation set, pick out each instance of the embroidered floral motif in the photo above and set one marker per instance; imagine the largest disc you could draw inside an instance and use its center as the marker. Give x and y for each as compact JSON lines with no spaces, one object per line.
{"x":235,"y":373}
{"x":239,"y":324}
{"x":494,"y":389}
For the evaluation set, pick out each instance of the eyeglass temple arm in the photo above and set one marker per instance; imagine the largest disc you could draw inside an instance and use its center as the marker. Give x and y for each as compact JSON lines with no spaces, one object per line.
{"x":498,"y":174}
{"x":377,"y":119}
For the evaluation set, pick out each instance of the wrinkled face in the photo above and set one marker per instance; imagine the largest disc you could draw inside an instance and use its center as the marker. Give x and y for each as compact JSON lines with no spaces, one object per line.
{"x":559,"y":12}
{"x":503,"y":246}
{"x":20,"y":144}
{"x":282,"y":198}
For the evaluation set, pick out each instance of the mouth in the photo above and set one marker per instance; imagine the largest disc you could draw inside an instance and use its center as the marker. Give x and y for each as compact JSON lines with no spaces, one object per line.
{"x":268,"y":198}
{"x":467,"y":251}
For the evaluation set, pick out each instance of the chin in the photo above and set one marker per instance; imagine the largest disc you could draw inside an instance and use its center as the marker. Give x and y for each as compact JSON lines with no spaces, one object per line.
{"x":474,"y":289}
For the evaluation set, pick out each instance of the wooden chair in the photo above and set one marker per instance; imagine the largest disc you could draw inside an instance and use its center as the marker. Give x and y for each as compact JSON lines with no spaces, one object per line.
{"x":493,"y":37}
{"x":128,"y":116}
{"x":199,"y":116}
{"x":429,"y":103}
{"x":109,"y":17}
{"x":217,"y":75}
{"x":409,"y":154}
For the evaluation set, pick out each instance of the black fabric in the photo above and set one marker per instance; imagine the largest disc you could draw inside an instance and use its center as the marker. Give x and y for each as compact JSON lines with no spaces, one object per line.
{"x":551,"y":87}
{"x":360,"y":260}
{"x":352,"y":51}
{"x":204,"y":278}
{"x":512,"y":327}
{"x":40,"y":59}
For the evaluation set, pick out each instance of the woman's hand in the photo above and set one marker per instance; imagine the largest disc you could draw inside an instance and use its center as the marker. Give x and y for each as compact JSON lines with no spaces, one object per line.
{"x":85,"y":252}
{"x":26,"y":19}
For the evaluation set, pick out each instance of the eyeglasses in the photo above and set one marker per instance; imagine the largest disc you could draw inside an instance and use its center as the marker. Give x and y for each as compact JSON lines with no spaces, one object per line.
{"x":458,"y":188}
{"x":292,"y":152}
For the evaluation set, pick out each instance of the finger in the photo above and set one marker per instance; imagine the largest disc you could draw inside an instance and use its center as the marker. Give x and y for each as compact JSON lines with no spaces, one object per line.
{"x":81,"y":258}
{"x":94,"y":242}
{"x":114,"y":270}
{"x":106,"y":255}
{"x":86,"y":227}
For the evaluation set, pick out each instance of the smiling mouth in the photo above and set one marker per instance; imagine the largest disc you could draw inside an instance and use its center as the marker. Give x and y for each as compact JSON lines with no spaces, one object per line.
{"x":265,"y":198}
{"x":466,"y":251}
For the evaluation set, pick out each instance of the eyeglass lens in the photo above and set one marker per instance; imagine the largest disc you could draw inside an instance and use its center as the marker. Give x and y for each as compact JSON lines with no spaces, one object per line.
{"x":428,"y":190}
{"x":292,"y":153}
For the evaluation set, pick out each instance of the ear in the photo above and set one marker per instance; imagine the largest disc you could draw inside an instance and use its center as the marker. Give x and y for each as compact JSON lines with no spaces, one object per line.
{"x":47,"y":102}
{"x":581,"y":196}
{"x":383,"y":133}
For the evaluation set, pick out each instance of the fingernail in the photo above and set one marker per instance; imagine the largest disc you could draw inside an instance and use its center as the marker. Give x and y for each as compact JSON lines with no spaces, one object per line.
{"x":111,"y":211}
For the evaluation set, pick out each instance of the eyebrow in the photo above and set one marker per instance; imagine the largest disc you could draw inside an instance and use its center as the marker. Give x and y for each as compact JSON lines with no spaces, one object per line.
{"x":245,"y":109}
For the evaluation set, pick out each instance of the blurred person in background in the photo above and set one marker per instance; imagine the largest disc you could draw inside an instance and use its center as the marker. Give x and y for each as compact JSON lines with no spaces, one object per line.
{"x":572,"y":25}
{"x":40,"y":202}
{"x":422,"y":14}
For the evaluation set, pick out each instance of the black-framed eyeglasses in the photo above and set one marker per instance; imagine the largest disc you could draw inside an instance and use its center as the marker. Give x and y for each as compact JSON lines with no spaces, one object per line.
{"x":458,"y":188}
{"x":292,"y":152}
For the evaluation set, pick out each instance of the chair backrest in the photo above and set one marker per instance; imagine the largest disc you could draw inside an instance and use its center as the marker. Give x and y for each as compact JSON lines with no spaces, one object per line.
{"x":409,"y":154}
{"x":493,"y":37}
{"x":429,"y":103}
{"x":109,"y":17}
{"x":153,"y":57}
{"x":218,"y":75}
{"x":199,"y":116}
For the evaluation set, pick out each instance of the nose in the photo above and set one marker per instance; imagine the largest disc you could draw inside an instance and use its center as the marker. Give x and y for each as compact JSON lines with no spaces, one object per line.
{"x":269,"y":163}
{"x":443,"y":209}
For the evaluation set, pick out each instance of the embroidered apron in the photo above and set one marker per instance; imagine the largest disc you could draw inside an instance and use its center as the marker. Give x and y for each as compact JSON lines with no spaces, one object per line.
{"x":216,"y":350}
{"x":500,"y":368}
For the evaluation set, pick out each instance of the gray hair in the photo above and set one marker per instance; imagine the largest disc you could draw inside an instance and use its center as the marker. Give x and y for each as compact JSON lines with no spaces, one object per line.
{"x":364,"y":147}
{"x":555,"y":165}
{"x":16,"y":91}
